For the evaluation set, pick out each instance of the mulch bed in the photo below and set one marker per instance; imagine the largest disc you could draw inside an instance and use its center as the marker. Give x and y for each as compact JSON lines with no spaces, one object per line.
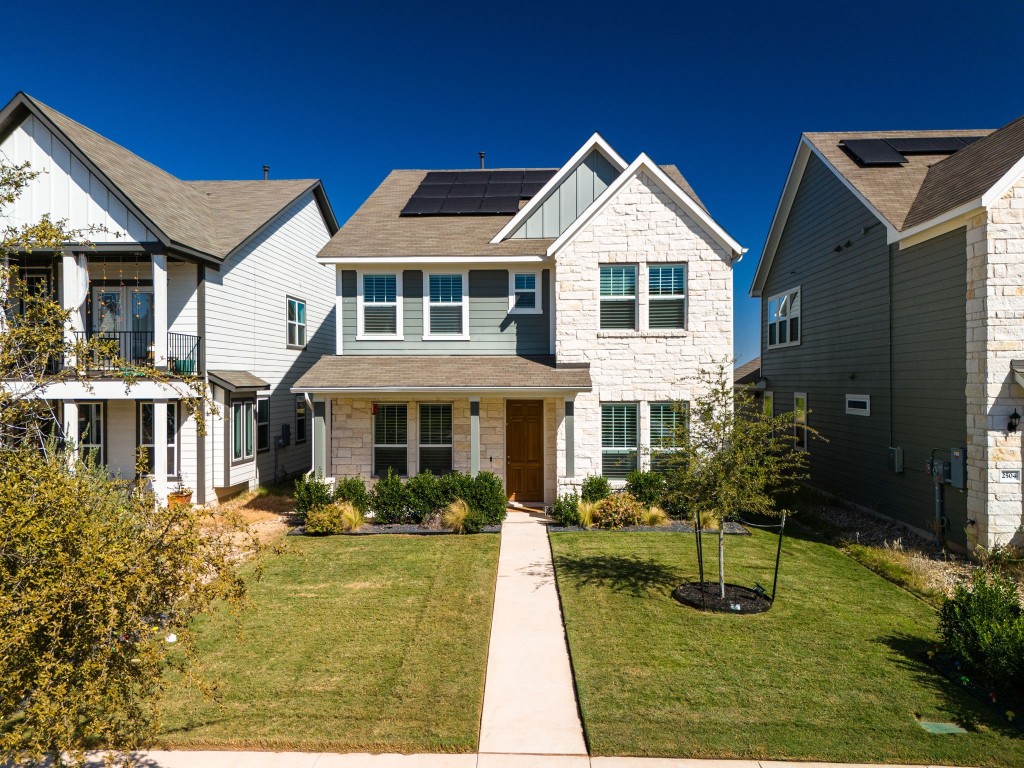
{"x":734,"y":529}
{"x":706,"y":596}
{"x":406,"y":529}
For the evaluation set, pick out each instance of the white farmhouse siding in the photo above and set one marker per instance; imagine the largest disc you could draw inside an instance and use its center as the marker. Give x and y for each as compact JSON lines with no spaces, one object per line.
{"x":66,"y":189}
{"x":182,"y":306}
{"x":246,"y":329}
{"x":641,"y":226}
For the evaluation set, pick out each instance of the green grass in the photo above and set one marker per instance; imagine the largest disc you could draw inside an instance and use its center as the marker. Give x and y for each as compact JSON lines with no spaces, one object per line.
{"x":374,"y":643}
{"x":833,"y":672}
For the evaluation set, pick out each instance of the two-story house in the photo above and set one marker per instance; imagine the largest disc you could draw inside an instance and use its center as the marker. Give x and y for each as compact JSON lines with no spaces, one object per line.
{"x":892,"y":320}
{"x":535,"y":323}
{"x":210,"y":278}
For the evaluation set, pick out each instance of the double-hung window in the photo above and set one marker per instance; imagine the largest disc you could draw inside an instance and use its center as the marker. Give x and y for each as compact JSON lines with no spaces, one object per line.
{"x":618,"y":439}
{"x":800,"y":420}
{"x":380,"y":306}
{"x":296,"y":322}
{"x":446,"y":307}
{"x":242,"y":422}
{"x":667,"y":422}
{"x":618,"y":296}
{"x":262,"y":424}
{"x":300,"y":419}
{"x":524,"y":293}
{"x":667,"y":294}
{"x":390,"y":439}
{"x":147,"y":434}
{"x":90,"y":431}
{"x":784,"y":319}
{"x":436,"y":438}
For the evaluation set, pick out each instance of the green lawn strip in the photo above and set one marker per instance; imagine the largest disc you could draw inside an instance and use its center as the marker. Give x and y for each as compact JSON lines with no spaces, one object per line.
{"x":374,"y":643}
{"x":832,"y":672}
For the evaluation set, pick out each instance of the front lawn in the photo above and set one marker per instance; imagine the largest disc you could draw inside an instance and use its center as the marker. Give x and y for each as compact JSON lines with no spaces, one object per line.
{"x":369,"y":643}
{"x":832,"y":672}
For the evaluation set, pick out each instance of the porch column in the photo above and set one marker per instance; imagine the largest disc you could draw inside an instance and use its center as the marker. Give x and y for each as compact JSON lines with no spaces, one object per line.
{"x":570,"y":437}
{"x":320,"y":433}
{"x":74,"y":292}
{"x":160,"y":450}
{"x":160,"y":310}
{"x":474,"y":436}
{"x":71,"y":430}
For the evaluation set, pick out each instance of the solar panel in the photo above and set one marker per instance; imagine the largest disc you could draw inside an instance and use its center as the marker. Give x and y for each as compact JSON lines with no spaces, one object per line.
{"x":507,"y":177}
{"x":432,"y":190}
{"x":473,"y":177}
{"x":468,"y":190}
{"x":935,"y":145}
{"x":460,"y":205}
{"x":870,"y":152}
{"x":531,"y":188}
{"x":440,"y":177}
{"x":543,"y":176}
{"x":423,"y":206}
{"x":970,"y":139}
{"x":503,"y":190}
{"x":499,"y":205}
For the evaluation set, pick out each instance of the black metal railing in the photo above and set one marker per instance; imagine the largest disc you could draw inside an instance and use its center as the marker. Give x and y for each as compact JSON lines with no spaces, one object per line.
{"x":184,"y":354}
{"x":113,"y":349}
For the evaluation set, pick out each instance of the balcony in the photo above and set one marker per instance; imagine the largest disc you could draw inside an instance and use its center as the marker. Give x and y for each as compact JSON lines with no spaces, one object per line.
{"x":138,"y":348}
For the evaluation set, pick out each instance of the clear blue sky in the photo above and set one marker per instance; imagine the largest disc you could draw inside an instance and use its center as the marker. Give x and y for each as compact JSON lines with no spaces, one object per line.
{"x":348,"y":92}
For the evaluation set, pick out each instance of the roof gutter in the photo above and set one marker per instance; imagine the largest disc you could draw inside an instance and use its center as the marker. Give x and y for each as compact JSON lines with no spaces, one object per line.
{"x":379,"y":260}
{"x":468,"y":390}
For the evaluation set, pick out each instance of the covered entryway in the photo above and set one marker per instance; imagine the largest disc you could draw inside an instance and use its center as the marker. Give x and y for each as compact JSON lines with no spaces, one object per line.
{"x":524,"y":448}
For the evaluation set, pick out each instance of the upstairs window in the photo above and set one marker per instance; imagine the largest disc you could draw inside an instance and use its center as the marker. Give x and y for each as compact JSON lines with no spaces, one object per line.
{"x":524,"y":293}
{"x":784,"y":319}
{"x":296,"y":322}
{"x":436,"y":438}
{"x":667,"y":420}
{"x":390,"y":439}
{"x":446,"y":306}
{"x":667,"y":289}
{"x":618,"y":439}
{"x":618,"y":297}
{"x":380,"y":306}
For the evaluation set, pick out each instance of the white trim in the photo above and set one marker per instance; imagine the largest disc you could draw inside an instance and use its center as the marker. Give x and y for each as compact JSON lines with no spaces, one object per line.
{"x":104,"y":390}
{"x":552,"y":342}
{"x":377,"y":261}
{"x":858,"y":411}
{"x":1007,"y":180}
{"x":339,"y":312}
{"x":420,"y":445}
{"x":409,"y":466}
{"x":399,"y":334}
{"x":596,"y":141}
{"x":428,"y":335}
{"x":799,"y":316}
{"x":538,"y":292}
{"x":645,"y":164}
{"x":534,"y":392}
{"x":947,"y":222}
{"x":636,"y":298}
{"x":650,"y":298}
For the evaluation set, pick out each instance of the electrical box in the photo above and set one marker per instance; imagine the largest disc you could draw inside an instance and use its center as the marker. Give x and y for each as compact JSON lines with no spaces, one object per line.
{"x":940,"y":469}
{"x":896,"y":458}
{"x":958,"y":467}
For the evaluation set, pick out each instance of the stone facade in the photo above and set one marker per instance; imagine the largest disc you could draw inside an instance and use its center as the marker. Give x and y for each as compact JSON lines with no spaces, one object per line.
{"x":641,"y":226}
{"x":995,"y":337}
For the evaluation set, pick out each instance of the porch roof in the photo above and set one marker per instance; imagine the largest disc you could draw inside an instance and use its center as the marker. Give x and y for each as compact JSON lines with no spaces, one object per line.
{"x":235,"y":381}
{"x":442,"y":373}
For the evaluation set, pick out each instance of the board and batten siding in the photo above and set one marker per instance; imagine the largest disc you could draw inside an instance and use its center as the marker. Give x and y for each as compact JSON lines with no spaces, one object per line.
{"x":848,"y":346}
{"x":570,"y":199}
{"x":66,"y":189}
{"x":246,"y":329}
{"x":492,"y":329}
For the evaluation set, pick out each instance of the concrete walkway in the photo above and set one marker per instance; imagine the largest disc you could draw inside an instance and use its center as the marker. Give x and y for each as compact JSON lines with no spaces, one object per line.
{"x":529,"y":698}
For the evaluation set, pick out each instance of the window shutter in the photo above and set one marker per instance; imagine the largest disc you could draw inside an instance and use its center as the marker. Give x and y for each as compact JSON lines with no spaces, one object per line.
{"x":380,"y":320}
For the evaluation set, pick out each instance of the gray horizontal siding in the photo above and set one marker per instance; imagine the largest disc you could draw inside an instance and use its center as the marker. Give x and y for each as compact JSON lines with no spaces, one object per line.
{"x":916,"y":378}
{"x":492,"y":330}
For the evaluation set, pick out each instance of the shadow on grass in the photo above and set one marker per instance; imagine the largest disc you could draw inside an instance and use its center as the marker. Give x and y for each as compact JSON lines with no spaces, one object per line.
{"x":962,"y":707}
{"x":619,"y":573}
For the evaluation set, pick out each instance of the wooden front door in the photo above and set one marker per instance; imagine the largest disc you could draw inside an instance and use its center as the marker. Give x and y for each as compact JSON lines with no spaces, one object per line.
{"x":524,"y":446}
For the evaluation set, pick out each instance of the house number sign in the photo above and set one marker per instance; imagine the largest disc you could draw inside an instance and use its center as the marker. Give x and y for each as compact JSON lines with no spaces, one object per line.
{"x":1009,"y":475}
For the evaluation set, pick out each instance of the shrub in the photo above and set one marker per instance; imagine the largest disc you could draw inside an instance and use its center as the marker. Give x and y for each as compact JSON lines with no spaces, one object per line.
{"x":426,"y":496}
{"x":390,"y":500}
{"x":654,"y":516}
{"x":461,"y":519}
{"x":586,"y":510}
{"x":617,"y":511}
{"x":311,"y":492}
{"x":488,"y":498}
{"x":595,"y":488}
{"x":456,"y":485}
{"x":565,"y":510}
{"x":353,"y":490}
{"x":336,"y":517}
{"x":983,"y":627}
{"x":646,"y":487}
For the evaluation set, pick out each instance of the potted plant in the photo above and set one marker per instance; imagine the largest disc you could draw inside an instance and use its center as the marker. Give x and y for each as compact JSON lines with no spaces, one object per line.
{"x":179,"y":496}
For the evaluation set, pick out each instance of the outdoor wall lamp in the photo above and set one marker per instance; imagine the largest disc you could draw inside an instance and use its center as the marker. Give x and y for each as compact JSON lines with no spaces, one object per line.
{"x":1014,"y":422}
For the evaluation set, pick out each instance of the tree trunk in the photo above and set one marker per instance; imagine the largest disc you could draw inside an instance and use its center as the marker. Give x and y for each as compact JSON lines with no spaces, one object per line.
{"x":721,"y":559}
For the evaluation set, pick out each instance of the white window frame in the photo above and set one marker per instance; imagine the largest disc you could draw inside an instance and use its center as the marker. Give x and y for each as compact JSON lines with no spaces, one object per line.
{"x":538,"y":308}
{"x":373,"y":437}
{"x":653,"y":299}
{"x":637,"y":288}
{"x":799,"y":316}
{"x":650,"y":427}
{"x":256,"y":415}
{"x":245,"y":405}
{"x":289,"y":323}
{"x":858,"y":411}
{"x":799,"y":427}
{"x":622,"y":450}
{"x":419,"y":434}
{"x":361,"y":334}
{"x":300,"y":402}
{"x":172,"y":435}
{"x":427,"y":334}
{"x":101,"y":418}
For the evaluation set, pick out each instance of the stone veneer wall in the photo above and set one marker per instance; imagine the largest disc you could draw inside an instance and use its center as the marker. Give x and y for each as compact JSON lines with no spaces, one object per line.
{"x":995,"y":336}
{"x":642,"y":225}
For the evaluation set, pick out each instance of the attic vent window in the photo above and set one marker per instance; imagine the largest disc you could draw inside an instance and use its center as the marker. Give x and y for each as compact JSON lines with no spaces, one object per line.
{"x":870,"y":153}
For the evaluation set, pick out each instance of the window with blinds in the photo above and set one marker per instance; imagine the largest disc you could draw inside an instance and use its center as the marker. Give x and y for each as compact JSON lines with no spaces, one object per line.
{"x":390,"y":439}
{"x":380,"y":305}
{"x":524,"y":293}
{"x":445,"y":305}
{"x":436,"y":438}
{"x":667,"y":292}
{"x":618,"y":439}
{"x":667,"y":421}
{"x":618,"y":296}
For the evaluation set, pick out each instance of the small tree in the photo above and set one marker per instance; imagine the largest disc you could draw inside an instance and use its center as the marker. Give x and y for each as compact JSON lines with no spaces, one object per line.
{"x":732,"y":458}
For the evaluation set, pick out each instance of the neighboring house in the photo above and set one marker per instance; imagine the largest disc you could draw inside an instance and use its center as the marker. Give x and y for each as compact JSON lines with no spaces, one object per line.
{"x":748,"y":373}
{"x":538,"y":324}
{"x":892,"y":290}
{"x":216,"y":278}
